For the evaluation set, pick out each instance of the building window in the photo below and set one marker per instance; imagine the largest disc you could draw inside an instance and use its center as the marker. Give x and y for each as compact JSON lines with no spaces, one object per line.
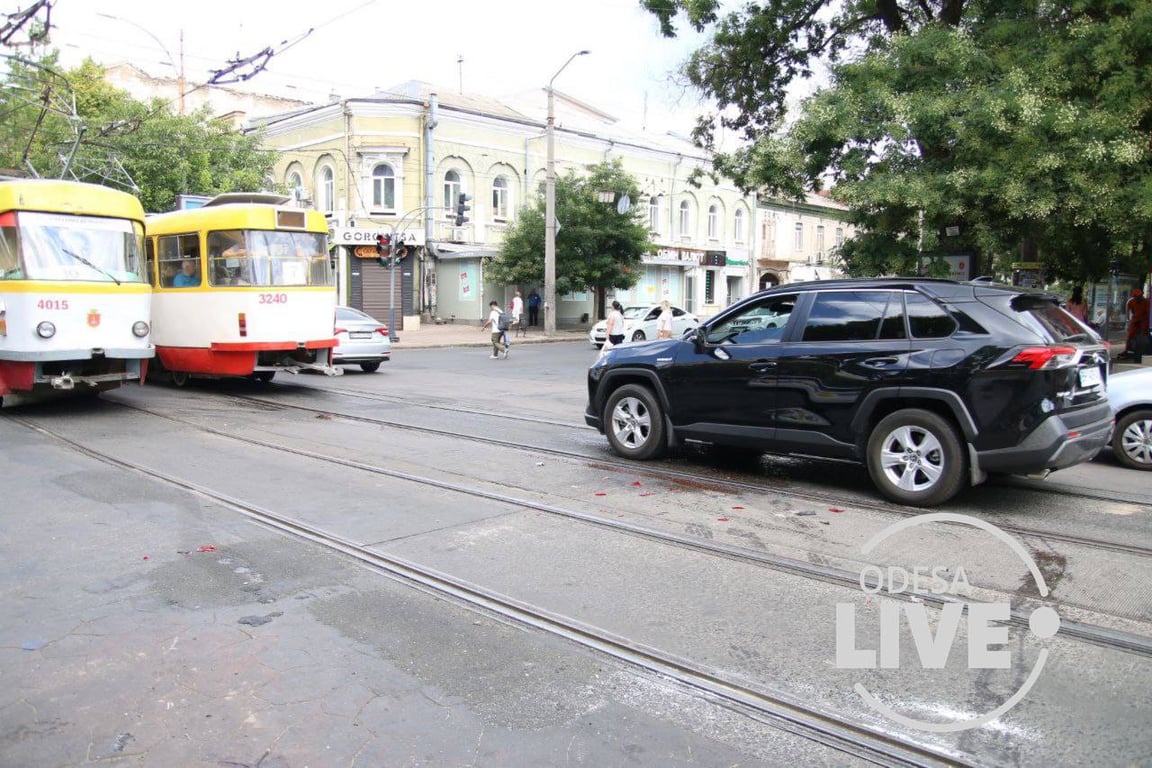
{"x":839,"y":236}
{"x":709,"y":286}
{"x":685,"y":219}
{"x":452,"y":190}
{"x":500,"y":199}
{"x":799,"y":236}
{"x":296,"y":184}
{"x":326,"y":187}
{"x":738,"y":225}
{"x":383,"y":188}
{"x":713,"y":222}
{"x":820,"y":238}
{"x":654,"y":213}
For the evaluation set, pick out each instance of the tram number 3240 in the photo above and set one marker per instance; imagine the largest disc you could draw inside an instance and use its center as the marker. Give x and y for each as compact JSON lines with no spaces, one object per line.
{"x":273,"y":298}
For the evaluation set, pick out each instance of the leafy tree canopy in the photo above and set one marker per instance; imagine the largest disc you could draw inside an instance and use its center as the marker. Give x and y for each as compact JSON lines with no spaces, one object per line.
{"x":1002,"y":128}
{"x":56,"y":118}
{"x":596,"y":246}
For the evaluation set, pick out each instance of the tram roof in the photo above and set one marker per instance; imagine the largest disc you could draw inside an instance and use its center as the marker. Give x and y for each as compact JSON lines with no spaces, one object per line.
{"x":65,"y":196}
{"x":238,"y":216}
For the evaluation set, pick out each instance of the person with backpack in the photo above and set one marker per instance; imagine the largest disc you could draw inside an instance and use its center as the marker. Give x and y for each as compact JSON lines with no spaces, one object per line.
{"x":498,"y":323}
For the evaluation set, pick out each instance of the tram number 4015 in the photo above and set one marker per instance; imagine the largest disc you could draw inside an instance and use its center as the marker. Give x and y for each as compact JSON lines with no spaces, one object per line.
{"x":273,"y":298}
{"x":52,"y":304}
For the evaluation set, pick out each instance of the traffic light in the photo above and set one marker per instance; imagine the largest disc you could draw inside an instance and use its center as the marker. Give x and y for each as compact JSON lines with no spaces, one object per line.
{"x":461,"y":207}
{"x":384,"y":249}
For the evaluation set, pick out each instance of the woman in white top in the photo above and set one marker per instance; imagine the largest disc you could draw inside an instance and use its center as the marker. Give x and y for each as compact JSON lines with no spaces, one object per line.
{"x":614,"y":326}
{"x":664,"y":321}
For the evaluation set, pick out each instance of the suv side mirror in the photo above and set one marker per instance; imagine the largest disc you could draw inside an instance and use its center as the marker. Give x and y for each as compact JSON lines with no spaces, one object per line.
{"x":699,"y":338}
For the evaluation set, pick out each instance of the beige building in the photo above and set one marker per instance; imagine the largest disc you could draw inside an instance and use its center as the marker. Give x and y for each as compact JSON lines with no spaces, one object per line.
{"x":400,"y":159}
{"x":797,"y":241}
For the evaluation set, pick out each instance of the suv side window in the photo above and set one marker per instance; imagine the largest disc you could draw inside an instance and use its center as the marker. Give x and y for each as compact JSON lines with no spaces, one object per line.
{"x":759,"y":323}
{"x":927,"y":320}
{"x":852,"y":316}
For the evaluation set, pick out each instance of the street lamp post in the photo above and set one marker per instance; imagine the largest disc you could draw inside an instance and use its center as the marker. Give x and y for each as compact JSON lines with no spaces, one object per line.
{"x":550,"y":211}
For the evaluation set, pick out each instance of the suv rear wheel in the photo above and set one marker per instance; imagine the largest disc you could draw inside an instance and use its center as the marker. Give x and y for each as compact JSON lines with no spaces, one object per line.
{"x":915,"y":457}
{"x":634,"y":423}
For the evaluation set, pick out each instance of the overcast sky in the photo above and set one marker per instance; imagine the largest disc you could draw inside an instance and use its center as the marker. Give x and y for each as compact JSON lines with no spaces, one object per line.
{"x":356,"y":46}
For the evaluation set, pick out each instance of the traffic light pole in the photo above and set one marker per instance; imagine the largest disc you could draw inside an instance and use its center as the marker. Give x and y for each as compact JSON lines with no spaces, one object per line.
{"x":394,"y":244}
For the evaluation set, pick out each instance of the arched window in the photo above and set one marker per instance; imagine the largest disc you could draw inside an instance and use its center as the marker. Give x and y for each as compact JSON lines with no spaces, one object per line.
{"x":738,"y":225}
{"x":383,"y":188}
{"x":685,"y":218}
{"x":500,"y":199}
{"x":713,"y":222}
{"x":654,"y":213}
{"x":295,"y":184}
{"x":326,"y":187}
{"x":452,"y":190}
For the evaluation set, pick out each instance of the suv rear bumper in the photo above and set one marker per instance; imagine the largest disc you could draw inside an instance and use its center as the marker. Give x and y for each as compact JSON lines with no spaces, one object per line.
{"x":1059,"y":442}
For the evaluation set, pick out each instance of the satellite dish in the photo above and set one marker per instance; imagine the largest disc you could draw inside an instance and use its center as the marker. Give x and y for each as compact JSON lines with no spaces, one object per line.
{"x":624,"y":204}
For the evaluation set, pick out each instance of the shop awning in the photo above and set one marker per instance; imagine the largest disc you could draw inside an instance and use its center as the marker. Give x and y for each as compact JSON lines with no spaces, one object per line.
{"x":457,"y":251}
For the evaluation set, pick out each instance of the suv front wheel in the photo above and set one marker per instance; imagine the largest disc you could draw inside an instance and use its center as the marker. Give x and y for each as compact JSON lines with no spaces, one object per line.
{"x":915,"y":458}
{"x":634,"y":422}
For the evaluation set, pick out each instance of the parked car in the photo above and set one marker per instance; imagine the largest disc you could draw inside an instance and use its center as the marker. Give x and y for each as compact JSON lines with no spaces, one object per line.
{"x":1130,"y":394}
{"x":640,"y":324}
{"x":360,"y":339}
{"x":931,"y":384}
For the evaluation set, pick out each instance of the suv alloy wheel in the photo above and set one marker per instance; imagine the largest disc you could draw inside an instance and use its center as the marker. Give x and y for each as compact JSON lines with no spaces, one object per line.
{"x":914,"y":457}
{"x":635,"y":423}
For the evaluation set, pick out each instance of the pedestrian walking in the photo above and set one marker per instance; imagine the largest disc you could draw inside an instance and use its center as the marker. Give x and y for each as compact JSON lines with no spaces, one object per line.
{"x":496,"y":318}
{"x":615,"y":324}
{"x":1136,"y":343}
{"x":664,"y":321}
{"x":518,"y":314}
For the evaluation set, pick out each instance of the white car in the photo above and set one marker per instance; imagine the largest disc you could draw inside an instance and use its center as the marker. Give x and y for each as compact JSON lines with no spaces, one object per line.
{"x":640,"y":324}
{"x":1130,"y":395}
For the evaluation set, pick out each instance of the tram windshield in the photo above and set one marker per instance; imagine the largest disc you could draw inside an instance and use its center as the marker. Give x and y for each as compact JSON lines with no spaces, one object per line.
{"x":270,"y":258}
{"x":56,"y":246}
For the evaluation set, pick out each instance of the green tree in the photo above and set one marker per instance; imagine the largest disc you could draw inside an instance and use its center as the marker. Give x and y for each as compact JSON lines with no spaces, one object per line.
{"x":1021,"y":126}
{"x":597,"y":246}
{"x":106,"y":136}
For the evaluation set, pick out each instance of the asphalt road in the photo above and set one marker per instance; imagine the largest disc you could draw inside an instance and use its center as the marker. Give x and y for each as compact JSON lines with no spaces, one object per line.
{"x":151,"y":621}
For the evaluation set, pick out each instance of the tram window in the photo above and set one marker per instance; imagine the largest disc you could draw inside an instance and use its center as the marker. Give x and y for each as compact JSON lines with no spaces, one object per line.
{"x":9,"y":255}
{"x":174,"y":251}
{"x":228,"y":258}
{"x":150,"y":260}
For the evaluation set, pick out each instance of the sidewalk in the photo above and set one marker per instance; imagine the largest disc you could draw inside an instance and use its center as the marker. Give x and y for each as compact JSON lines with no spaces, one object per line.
{"x":463,"y":334}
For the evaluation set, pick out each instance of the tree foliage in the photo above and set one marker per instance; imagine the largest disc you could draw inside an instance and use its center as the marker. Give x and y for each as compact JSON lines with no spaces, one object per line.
{"x":597,"y":247}
{"x":73,"y":119}
{"x":993,"y":128}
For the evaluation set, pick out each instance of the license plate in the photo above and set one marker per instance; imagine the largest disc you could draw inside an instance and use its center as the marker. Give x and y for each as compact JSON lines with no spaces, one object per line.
{"x":360,"y":335}
{"x":1090,"y":377}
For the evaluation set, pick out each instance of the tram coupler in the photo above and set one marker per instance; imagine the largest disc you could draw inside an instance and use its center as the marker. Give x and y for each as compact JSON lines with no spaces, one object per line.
{"x":62,"y":382}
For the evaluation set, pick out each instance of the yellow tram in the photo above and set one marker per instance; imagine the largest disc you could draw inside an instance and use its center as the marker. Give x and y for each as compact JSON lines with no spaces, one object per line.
{"x":74,"y":298}
{"x":242,"y":287}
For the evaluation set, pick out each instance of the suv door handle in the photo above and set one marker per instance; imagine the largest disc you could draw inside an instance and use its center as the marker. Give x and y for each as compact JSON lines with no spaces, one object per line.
{"x":880,"y":362}
{"x":762,"y":365}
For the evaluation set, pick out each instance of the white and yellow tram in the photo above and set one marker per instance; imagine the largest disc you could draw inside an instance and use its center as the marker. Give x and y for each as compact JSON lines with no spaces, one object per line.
{"x":242,"y":287}
{"x":74,"y":299}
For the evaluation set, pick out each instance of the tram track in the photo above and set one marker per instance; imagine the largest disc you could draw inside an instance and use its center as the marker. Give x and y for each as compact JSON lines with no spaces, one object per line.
{"x":770,"y":707}
{"x":1019,"y":617}
{"x":651,"y":470}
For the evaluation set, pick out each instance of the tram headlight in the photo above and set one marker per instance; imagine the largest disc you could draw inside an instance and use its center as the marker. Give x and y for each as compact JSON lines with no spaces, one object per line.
{"x":46,"y":330}
{"x":140,"y":328}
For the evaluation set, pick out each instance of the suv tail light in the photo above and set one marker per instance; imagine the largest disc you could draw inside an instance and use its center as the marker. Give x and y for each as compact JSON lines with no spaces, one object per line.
{"x":1044,"y":358}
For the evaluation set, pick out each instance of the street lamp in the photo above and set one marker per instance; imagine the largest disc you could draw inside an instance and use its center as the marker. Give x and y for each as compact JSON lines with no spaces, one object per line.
{"x":550,"y":211}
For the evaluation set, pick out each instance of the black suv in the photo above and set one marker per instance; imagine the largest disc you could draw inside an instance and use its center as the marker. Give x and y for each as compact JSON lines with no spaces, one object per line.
{"x":930,"y":383}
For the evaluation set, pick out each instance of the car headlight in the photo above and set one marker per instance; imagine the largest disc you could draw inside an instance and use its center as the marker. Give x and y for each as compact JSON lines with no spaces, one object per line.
{"x":140,"y":329}
{"x":46,"y":330}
